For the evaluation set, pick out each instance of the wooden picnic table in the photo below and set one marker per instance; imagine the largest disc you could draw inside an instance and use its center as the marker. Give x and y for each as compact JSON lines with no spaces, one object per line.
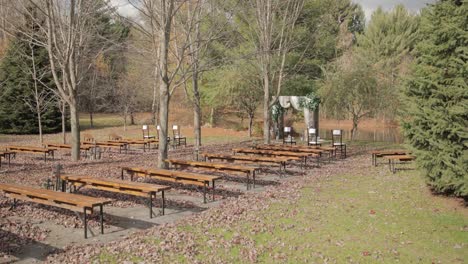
{"x":280,"y":161}
{"x":73,"y":202}
{"x":389,"y":152}
{"x":34,"y":150}
{"x":218,"y":167}
{"x":273,"y":153}
{"x":175,"y":177}
{"x":392,"y":160}
{"x":117,"y":186}
{"x":6,"y":154}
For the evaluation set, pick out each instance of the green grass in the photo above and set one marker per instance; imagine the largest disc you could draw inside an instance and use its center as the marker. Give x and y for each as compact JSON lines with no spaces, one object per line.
{"x":100,"y":121}
{"x":371,"y":216}
{"x":365,"y":215}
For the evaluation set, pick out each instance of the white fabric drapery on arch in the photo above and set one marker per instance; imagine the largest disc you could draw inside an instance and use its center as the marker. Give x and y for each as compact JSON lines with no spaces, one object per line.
{"x":294,"y":102}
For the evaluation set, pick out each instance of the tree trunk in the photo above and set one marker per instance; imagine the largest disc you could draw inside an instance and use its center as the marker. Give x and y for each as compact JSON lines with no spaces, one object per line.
{"x":251,"y":118}
{"x":212,"y":117}
{"x":75,"y":132}
{"x":39,"y":122}
{"x":196,"y":111}
{"x":315,"y":121}
{"x":132,"y":119}
{"x":155,"y":104}
{"x":165,"y":37}
{"x":163,"y":119}
{"x":266,"y":108}
{"x":91,"y":123}
{"x":355,"y":127}
{"x":63,"y":108}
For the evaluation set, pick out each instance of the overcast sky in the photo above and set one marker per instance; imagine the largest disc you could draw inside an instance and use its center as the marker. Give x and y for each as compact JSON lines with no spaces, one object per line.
{"x":370,"y":5}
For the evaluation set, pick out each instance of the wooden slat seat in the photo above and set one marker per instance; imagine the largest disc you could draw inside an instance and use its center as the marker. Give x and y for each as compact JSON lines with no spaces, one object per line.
{"x":392,"y":159}
{"x":117,"y":186}
{"x":66,"y":146}
{"x":33,"y":150}
{"x":73,"y":202}
{"x":175,"y":177}
{"x":280,"y":160}
{"x":389,"y":152}
{"x":302,"y":156}
{"x":249,"y":171}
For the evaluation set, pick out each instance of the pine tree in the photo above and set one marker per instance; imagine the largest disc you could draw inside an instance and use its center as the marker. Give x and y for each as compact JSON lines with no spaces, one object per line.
{"x":436,"y":118}
{"x":16,"y":88}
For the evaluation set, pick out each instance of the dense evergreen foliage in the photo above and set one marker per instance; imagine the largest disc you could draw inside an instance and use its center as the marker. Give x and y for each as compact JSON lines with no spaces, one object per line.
{"x":17,"y":89}
{"x":436,"y":117}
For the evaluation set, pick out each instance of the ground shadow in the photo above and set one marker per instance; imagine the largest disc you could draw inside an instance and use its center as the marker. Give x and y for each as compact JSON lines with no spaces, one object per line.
{"x":24,"y":248}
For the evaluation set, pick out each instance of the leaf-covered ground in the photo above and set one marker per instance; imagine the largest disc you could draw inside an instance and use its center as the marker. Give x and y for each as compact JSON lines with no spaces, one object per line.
{"x":348,"y":211}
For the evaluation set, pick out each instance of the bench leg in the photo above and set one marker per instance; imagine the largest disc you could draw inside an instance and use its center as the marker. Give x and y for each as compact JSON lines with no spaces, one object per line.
{"x":150,"y":204}
{"x":213,"y":184}
{"x":253,"y":177}
{"x":204,"y":193}
{"x":101,"y":218}
{"x":13,"y":206}
{"x":85,"y":222}
{"x":163,"y":202}
{"x":64,"y":186}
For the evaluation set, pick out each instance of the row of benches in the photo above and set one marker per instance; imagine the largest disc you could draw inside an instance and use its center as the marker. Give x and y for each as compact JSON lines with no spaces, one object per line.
{"x":49,"y":148}
{"x":86,"y":205}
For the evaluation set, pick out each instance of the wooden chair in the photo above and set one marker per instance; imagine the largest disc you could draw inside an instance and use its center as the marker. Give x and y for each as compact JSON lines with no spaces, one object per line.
{"x":287,"y":137}
{"x":177,"y":136}
{"x":337,"y":141}
{"x":146,"y":132}
{"x":312,"y":137}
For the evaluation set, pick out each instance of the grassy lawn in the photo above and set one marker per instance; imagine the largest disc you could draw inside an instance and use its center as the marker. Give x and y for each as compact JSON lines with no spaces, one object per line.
{"x":365,"y":215}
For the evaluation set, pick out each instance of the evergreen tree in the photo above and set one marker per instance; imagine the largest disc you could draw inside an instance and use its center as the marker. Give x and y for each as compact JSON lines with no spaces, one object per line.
{"x":16,"y":88}
{"x":387,"y":42}
{"x":436,"y":119}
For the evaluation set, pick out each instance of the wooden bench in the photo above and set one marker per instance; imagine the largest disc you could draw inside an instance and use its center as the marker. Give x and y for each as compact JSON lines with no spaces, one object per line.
{"x":34,"y":150}
{"x":293,"y":149}
{"x":301,"y":156}
{"x":144,"y":142}
{"x":392,"y":161}
{"x":117,"y":186}
{"x":280,"y":161}
{"x":175,"y":177}
{"x":57,"y":146}
{"x":73,"y":202}
{"x":120,"y":146}
{"x":382,"y":153}
{"x":5,"y":154}
{"x":218,"y":167}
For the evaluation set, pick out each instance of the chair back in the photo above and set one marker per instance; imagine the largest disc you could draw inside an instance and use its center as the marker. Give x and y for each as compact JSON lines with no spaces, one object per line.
{"x":176,"y":131}
{"x":287,"y":137}
{"x":145,"y":129}
{"x":337,"y":136}
{"x":312,"y":134}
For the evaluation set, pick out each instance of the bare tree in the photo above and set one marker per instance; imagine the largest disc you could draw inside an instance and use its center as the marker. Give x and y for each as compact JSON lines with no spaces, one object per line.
{"x":43,"y":97}
{"x":272,"y":24}
{"x":156,"y":23}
